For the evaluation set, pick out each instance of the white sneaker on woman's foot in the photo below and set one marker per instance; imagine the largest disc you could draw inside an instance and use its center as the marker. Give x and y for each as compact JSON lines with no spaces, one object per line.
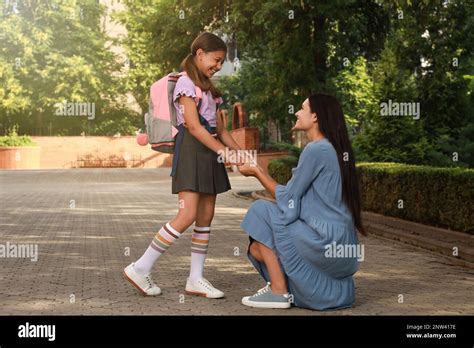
{"x":144,"y":284}
{"x":202,"y":287}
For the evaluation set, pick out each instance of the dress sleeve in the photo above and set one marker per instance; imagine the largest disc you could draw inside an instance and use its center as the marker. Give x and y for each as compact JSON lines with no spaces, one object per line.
{"x":184,"y":87}
{"x":288,"y":197}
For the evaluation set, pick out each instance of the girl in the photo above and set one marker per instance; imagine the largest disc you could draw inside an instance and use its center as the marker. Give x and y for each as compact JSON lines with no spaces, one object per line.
{"x":291,"y":242}
{"x":197,"y":175}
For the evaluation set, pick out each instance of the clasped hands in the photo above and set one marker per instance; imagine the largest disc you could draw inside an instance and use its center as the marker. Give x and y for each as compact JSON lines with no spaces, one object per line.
{"x":246,"y":163}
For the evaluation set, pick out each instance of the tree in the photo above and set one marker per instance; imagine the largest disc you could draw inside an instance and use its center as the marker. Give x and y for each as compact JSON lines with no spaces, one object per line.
{"x":51,"y":52}
{"x":160,"y":35}
{"x":366,"y":52}
{"x":420,"y":64}
{"x":298,"y":47}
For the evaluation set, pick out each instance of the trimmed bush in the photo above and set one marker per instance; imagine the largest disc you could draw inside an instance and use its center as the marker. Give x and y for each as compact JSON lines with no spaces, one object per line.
{"x":431,"y":195}
{"x":280,"y":169}
{"x":436,"y":196}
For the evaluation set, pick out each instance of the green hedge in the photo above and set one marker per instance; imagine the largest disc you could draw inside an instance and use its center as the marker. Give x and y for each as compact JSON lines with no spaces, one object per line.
{"x":280,"y":169}
{"x":436,"y":196}
{"x":13,"y":139}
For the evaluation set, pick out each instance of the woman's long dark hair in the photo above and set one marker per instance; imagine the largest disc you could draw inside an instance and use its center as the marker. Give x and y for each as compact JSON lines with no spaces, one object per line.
{"x":333,"y":126}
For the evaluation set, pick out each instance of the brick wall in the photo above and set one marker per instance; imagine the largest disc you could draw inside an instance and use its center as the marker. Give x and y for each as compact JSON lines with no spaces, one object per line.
{"x":247,"y":138}
{"x":63,"y":152}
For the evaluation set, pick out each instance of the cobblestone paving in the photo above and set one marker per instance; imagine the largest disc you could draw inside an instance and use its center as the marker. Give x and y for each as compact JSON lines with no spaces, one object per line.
{"x":88,"y":224}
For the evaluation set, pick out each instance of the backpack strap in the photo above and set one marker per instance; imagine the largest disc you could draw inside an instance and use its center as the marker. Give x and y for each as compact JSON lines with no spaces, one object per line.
{"x":197,"y":89}
{"x":199,"y":99}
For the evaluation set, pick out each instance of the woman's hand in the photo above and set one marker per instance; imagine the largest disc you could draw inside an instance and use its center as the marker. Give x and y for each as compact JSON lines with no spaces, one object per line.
{"x":252,"y":169}
{"x":249,"y":169}
{"x":232,"y":159}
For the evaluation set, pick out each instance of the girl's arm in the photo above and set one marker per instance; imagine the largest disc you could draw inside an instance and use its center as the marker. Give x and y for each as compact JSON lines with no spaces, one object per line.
{"x":196,"y":129}
{"x":224,"y":135}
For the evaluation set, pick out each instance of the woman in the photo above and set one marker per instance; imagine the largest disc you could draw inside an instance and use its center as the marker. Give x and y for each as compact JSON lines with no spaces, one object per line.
{"x":291,"y":242}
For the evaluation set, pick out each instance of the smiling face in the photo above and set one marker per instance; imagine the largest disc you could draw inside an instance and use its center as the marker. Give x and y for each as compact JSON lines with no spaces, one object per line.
{"x":209,"y":63}
{"x":305,"y":119}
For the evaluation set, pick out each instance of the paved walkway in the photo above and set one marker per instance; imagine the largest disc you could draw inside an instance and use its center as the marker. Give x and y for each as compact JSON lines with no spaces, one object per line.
{"x":85,"y":221}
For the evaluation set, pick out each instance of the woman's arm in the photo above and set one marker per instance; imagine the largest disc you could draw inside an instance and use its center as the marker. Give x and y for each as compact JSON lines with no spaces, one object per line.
{"x":266,"y":180}
{"x":288,"y":197}
{"x":310,"y":164}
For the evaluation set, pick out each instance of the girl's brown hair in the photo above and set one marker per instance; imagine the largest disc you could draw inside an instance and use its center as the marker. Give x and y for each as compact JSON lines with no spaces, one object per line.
{"x":208,"y":43}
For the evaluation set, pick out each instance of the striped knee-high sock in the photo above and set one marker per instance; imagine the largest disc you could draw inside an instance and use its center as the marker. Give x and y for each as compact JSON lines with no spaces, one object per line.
{"x":199,"y":246}
{"x":166,"y":236}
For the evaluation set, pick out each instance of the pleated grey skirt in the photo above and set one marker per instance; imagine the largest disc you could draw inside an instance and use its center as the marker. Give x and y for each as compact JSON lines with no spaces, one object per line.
{"x":198,"y":169}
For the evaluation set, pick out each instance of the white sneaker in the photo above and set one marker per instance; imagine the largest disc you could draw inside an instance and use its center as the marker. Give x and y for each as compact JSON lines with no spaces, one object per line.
{"x":144,"y":284}
{"x":202,"y":287}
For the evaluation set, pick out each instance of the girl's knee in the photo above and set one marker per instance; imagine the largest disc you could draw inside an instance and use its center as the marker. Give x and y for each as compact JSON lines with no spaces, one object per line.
{"x":186,"y":218}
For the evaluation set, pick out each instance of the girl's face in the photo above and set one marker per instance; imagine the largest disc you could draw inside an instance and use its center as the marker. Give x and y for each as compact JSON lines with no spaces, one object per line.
{"x":305,"y":119}
{"x":209,"y":63}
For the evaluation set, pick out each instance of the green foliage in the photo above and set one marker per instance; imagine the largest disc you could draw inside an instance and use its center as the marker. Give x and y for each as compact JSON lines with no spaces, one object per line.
{"x":124,"y":122}
{"x":52,"y":52}
{"x":428,"y":31}
{"x":292,"y":149}
{"x":437,"y":196}
{"x":355,"y":88}
{"x":284,"y":60}
{"x":391,"y":138}
{"x":159,"y":37}
{"x":366,"y":53}
{"x":13,"y":139}
{"x":280,"y":169}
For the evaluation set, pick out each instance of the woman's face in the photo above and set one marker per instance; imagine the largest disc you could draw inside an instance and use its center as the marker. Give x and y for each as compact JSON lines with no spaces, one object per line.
{"x":305,"y":119}
{"x":209,"y":63}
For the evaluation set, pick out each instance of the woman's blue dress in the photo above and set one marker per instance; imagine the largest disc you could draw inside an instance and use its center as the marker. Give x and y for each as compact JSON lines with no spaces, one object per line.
{"x":308,"y":218}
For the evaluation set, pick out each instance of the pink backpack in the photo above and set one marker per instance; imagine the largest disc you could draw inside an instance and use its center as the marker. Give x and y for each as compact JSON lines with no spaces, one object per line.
{"x":160,"y":128}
